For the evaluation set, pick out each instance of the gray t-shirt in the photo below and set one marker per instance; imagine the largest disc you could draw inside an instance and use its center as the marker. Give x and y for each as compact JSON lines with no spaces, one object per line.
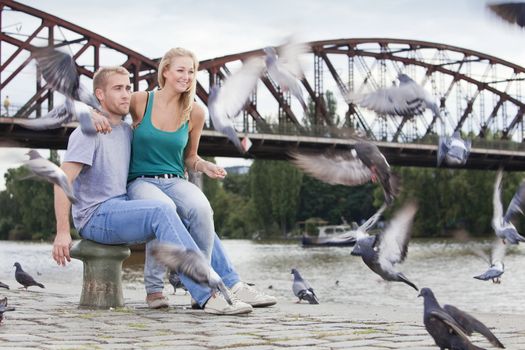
{"x":105,"y":170}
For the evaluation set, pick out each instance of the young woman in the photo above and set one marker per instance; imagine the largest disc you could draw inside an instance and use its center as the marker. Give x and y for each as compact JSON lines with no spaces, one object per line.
{"x":167,"y":129}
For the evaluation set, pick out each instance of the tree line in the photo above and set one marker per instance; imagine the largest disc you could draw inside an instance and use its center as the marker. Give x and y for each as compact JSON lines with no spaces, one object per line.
{"x":274,"y":197}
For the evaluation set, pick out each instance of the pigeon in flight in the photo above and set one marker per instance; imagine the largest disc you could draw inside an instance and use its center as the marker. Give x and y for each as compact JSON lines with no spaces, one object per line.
{"x":362,"y":164}
{"x":407,"y":99}
{"x":4,"y":308}
{"x":60,"y":72}
{"x":502,"y":225}
{"x":24,"y":278}
{"x":192,"y":264}
{"x":495,"y":261}
{"x":302,"y":289}
{"x":3,"y":285}
{"x":47,"y":170}
{"x":450,"y":327}
{"x":512,"y":12}
{"x":227,"y":101}
{"x":383,"y":251}
{"x":69,"y":111}
{"x":285,"y":68}
{"x":453,"y":150}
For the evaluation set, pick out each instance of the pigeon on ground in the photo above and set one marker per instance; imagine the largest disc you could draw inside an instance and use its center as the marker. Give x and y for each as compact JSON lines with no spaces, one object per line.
{"x":192,"y":264}
{"x":60,"y":72}
{"x":407,"y":99}
{"x":453,"y":150}
{"x":285,"y":68}
{"x":302,"y":289}
{"x":450,"y":327}
{"x":495,"y":261}
{"x":362,"y":164}
{"x":47,"y":170}
{"x":512,"y":12}
{"x":383,"y":251}
{"x":176,"y":282}
{"x":502,"y":225}
{"x":3,"y":285}
{"x":69,"y":111}
{"x":227,"y":101}
{"x":24,"y":278}
{"x":4,"y":308}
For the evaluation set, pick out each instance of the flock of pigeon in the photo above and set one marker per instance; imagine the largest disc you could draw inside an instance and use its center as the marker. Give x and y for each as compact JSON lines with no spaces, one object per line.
{"x":449,"y":326}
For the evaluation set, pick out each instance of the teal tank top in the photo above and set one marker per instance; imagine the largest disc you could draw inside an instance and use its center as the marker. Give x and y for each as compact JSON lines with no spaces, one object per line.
{"x":154,"y":151}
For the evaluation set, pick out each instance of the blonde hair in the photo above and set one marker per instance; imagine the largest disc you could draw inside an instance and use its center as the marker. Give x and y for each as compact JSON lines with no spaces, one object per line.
{"x":100,"y":78}
{"x":187,"y":96}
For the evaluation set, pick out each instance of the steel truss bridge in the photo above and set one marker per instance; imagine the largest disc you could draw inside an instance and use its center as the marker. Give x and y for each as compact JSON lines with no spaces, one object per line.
{"x":478,"y":94}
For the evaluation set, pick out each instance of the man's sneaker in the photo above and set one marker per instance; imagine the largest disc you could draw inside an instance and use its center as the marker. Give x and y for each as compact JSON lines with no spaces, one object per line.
{"x":252,"y":296}
{"x":157,"y":301}
{"x":219,"y":306}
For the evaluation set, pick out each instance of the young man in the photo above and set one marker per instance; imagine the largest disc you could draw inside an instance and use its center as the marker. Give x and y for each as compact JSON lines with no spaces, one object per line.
{"x":97,"y":166}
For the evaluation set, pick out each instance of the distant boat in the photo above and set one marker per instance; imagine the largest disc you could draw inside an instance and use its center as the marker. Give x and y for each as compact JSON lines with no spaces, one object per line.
{"x":331,"y":236}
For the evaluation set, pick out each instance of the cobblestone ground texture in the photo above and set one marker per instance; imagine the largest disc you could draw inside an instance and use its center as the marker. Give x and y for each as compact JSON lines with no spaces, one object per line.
{"x":51,"y":320}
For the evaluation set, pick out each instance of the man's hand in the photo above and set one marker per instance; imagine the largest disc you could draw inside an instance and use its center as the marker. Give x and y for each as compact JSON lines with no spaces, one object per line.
{"x":61,"y":247}
{"x":100,"y":122}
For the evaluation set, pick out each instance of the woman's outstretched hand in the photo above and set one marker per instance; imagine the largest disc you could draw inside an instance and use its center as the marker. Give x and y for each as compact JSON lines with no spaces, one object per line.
{"x":212,"y":170}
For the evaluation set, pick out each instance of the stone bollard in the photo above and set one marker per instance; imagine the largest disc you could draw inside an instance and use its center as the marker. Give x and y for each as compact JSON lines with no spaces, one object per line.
{"x":102,"y":282}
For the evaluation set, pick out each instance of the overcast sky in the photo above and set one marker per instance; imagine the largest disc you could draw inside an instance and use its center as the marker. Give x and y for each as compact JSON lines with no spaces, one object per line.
{"x":217,"y":28}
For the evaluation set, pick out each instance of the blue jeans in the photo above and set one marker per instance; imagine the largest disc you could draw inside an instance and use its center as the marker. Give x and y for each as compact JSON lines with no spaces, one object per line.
{"x":123,"y":221}
{"x":196,"y":213}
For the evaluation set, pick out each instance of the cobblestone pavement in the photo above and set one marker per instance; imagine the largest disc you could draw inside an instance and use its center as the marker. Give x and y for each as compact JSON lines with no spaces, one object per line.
{"x":50,"y":319}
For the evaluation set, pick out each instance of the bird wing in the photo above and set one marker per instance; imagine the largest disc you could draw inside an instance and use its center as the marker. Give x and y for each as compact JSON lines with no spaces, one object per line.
{"x":237,"y":88}
{"x":83,"y":115}
{"x":368,"y":224}
{"x":52,"y":120}
{"x":449,"y":321}
{"x":227,"y":101}
{"x":471,"y":324}
{"x":498,"y":251}
{"x":289,"y":55}
{"x":298,"y":286}
{"x":49,"y":171}
{"x":517,"y":203}
{"x":511,"y":12}
{"x":60,"y":72}
{"x":43,"y":168}
{"x":392,"y":243}
{"x":334,"y":169}
{"x":400,"y":100}
{"x":183,"y":261}
{"x":497,"y":216}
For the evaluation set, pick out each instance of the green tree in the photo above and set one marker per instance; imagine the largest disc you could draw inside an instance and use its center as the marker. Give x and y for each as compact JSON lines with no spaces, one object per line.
{"x":311,"y":119}
{"x":33,"y":203}
{"x":275,"y":187}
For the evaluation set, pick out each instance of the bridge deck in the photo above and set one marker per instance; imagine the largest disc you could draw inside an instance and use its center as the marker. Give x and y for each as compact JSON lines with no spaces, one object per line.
{"x":484,"y":154}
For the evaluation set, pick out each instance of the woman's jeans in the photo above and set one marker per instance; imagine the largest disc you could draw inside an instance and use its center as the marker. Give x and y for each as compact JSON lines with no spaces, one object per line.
{"x":195,"y":211}
{"x":123,"y":221}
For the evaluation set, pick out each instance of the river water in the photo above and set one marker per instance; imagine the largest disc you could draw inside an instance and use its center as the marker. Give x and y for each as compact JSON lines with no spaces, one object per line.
{"x":445,"y":266}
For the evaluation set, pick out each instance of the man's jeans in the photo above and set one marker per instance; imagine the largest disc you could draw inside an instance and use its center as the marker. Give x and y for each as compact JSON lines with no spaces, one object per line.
{"x":123,"y":221}
{"x":196,"y":213}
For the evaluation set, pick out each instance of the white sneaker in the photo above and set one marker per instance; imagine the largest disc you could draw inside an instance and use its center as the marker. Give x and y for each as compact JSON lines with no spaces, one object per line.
{"x":252,"y":296}
{"x":219,"y":306}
